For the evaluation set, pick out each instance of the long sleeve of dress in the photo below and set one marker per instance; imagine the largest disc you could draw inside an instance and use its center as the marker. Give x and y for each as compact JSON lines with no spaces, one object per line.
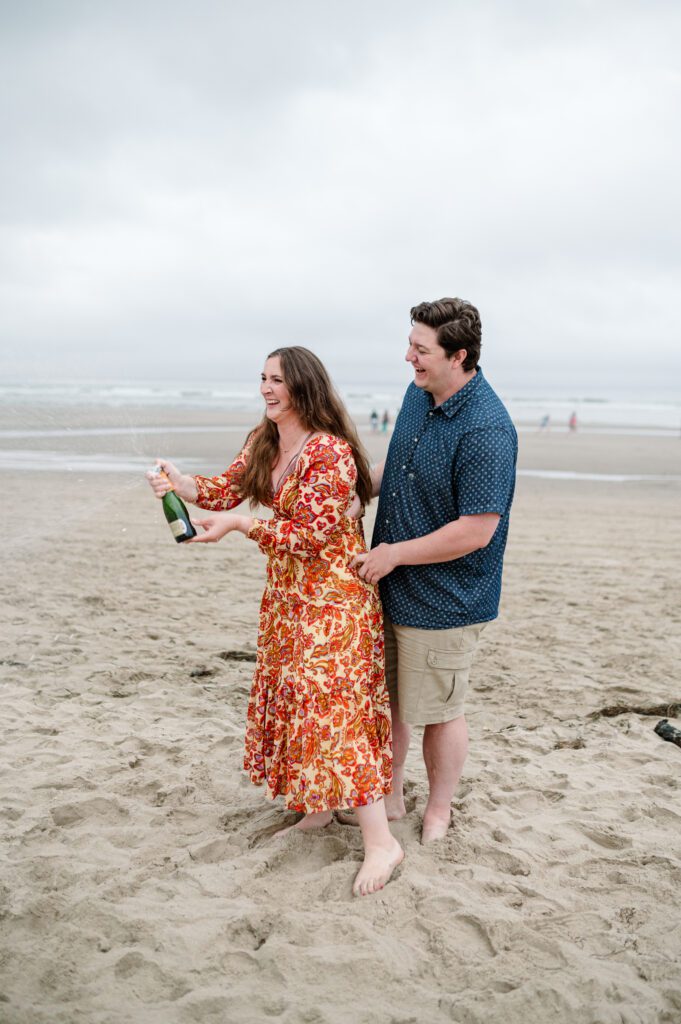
{"x":219,"y":493}
{"x":326,"y":485}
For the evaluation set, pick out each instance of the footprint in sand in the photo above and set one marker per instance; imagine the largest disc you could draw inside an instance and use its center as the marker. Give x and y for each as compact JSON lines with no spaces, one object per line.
{"x":229,"y":740}
{"x":504,"y":986}
{"x":176,"y":796}
{"x":236,"y":963}
{"x":139,"y":745}
{"x":472,"y":936}
{"x":147,"y":981}
{"x":11,"y":813}
{"x":659,"y":813}
{"x":605,"y":836}
{"x":257,"y":824}
{"x":250,"y":931}
{"x":70,"y":814}
{"x":319,"y":852}
{"x":78,"y":782}
{"x":97,"y":603}
{"x":207,"y":1010}
{"x":553,"y":795}
{"x":237,"y":655}
{"x":202,"y":672}
{"x":505,"y":862}
{"x":438,"y":909}
{"x":569,"y":744}
{"x":213,"y":852}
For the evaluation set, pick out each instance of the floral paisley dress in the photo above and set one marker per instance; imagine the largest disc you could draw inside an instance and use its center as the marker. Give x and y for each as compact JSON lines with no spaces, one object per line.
{"x":318,"y":725}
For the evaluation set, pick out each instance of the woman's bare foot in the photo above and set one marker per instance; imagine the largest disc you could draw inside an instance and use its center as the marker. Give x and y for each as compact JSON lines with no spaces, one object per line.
{"x":379,"y":864}
{"x":319,"y":820}
{"x":394,"y":809}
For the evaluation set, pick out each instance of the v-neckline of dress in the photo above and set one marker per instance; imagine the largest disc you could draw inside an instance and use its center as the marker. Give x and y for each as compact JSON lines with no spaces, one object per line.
{"x":290,"y":466}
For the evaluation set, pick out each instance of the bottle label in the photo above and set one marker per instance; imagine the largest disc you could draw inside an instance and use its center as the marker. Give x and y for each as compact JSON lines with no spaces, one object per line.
{"x":178,"y":527}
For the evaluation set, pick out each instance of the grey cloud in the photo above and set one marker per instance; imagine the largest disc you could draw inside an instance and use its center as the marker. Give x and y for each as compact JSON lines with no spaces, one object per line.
{"x":196,"y":183}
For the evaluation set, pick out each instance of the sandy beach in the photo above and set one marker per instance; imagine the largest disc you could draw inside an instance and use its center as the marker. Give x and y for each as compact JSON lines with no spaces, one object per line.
{"x":138,"y":878}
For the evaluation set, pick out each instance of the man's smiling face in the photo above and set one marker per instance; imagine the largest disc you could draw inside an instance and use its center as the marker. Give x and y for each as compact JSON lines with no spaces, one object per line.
{"x":433,"y":371}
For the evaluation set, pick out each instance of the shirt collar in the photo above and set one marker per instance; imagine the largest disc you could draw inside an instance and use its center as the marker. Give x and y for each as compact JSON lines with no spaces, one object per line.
{"x":451,"y":405}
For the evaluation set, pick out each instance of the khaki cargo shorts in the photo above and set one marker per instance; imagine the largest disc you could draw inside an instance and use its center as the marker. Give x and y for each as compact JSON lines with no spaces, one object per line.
{"x":426,"y":670}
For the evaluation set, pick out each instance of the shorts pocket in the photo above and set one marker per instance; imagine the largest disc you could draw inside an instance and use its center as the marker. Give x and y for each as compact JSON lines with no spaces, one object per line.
{"x":449,"y":672}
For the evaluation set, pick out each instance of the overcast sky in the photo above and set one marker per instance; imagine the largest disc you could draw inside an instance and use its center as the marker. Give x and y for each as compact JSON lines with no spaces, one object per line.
{"x":187,"y":185}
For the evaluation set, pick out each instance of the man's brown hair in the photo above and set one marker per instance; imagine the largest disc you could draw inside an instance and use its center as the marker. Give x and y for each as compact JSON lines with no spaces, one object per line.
{"x":458,"y":326}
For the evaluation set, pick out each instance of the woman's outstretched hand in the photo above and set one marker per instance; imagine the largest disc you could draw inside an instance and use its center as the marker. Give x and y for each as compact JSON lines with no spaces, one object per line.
{"x":183,"y":485}
{"x":217,"y":525}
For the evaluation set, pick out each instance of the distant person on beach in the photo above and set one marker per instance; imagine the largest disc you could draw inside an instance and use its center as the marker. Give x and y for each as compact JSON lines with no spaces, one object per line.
{"x":446,"y":489}
{"x":318,"y":723}
{"x":385,"y":420}
{"x":572,"y":422}
{"x":374,"y":420}
{"x":545,"y":422}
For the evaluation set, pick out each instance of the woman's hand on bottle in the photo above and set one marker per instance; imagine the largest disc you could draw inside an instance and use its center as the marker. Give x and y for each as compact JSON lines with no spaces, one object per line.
{"x":217,"y":525}
{"x":182,"y":484}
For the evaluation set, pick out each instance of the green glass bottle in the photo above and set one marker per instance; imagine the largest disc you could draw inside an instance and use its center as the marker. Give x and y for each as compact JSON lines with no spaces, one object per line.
{"x":176,"y":513}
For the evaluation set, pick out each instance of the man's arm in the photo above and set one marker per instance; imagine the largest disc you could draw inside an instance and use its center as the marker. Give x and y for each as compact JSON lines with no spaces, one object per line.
{"x":356,"y":509}
{"x":377,"y":478}
{"x":462,"y":537}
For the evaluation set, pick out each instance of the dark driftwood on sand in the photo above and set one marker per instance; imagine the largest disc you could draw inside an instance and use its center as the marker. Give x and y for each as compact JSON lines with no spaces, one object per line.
{"x":671,"y":710}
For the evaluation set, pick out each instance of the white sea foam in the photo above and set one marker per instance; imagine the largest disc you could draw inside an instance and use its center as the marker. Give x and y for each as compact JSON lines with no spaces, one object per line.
{"x":131,"y":431}
{"x":69,"y":462}
{"x":614,"y":478}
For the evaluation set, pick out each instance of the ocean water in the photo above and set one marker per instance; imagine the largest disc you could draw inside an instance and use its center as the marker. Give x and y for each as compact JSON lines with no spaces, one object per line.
{"x":651,"y":414}
{"x":619,"y":411}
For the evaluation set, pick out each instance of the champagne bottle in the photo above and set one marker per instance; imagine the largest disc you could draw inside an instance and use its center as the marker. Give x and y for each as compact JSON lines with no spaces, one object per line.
{"x":176,"y":513}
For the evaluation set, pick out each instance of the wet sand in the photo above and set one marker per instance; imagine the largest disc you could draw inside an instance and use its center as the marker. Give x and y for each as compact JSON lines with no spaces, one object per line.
{"x":139,"y":882}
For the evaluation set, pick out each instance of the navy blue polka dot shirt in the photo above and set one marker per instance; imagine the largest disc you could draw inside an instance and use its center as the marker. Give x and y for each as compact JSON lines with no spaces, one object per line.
{"x":456,"y":459}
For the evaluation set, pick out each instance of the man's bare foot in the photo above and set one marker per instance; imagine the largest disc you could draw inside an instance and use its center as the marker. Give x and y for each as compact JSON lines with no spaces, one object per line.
{"x":435,"y":826}
{"x":379,"y":864}
{"x":394,"y":806}
{"x":319,"y":820}
{"x":347,"y":817}
{"x":394,"y":809}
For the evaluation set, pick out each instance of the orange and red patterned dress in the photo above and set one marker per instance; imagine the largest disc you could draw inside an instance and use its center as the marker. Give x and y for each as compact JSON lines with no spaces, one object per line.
{"x":318,"y":725}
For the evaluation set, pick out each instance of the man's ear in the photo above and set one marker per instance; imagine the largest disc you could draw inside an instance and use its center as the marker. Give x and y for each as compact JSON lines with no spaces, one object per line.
{"x":458,"y":357}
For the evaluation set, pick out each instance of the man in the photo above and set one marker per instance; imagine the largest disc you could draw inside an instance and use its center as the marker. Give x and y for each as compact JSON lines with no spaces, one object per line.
{"x":446,"y":489}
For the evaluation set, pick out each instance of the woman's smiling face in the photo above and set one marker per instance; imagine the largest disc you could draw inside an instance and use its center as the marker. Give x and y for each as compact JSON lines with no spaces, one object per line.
{"x":273,"y":389}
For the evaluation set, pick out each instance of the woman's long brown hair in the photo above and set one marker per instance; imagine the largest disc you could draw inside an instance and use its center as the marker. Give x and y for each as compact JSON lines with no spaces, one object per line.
{"x":316,"y":402}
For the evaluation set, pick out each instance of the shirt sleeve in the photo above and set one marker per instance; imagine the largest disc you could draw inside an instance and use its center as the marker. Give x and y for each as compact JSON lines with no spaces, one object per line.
{"x":219,"y":493}
{"x":327,"y":475}
{"x":484,"y":478}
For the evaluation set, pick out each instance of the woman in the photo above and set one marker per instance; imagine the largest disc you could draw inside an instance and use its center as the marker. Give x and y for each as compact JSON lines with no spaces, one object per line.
{"x":318,"y":726}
